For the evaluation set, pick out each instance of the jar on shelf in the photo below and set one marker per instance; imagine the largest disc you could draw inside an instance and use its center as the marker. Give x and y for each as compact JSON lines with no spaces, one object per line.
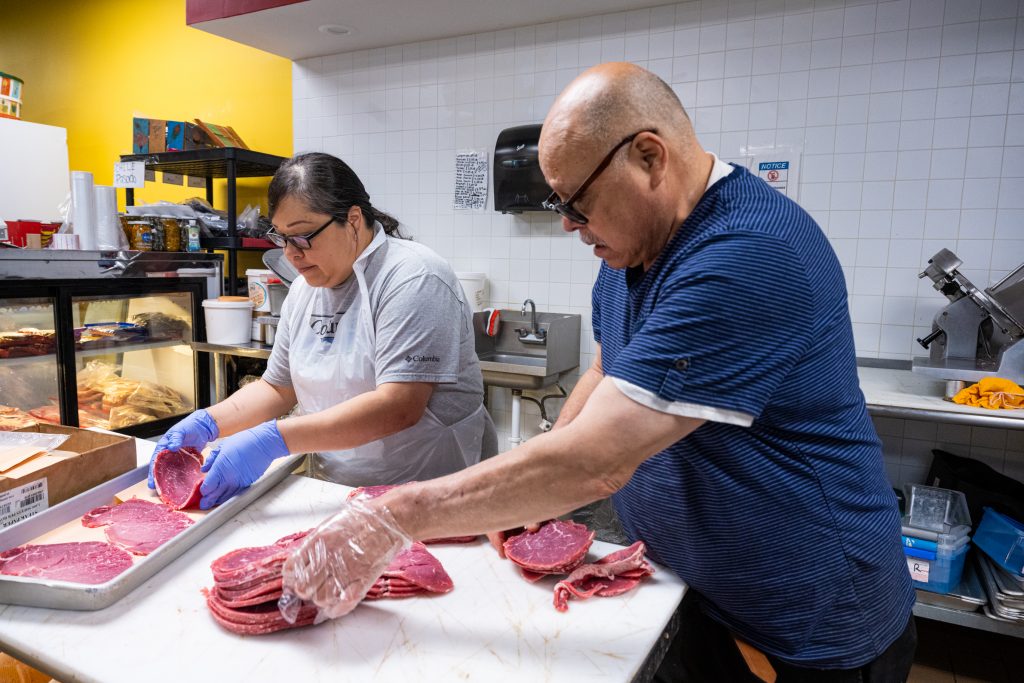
{"x":159,"y":234}
{"x":172,"y":233}
{"x":140,"y":234}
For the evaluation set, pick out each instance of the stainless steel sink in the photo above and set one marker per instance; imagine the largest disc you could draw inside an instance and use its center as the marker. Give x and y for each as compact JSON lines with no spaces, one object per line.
{"x":508,"y":362}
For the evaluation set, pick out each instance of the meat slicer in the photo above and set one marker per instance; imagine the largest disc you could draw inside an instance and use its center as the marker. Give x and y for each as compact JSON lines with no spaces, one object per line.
{"x":980,"y":333}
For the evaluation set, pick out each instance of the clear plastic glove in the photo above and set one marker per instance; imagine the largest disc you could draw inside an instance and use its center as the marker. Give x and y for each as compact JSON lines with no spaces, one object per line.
{"x":338,"y":562}
{"x":195,"y":431}
{"x":238,"y":461}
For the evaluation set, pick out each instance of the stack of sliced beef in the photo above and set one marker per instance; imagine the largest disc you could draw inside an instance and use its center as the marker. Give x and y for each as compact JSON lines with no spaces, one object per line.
{"x":139,"y":526}
{"x":247,"y":585}
{"x":559,"y":547}
{"x":375,"y":491}
{"x":614,"y":574}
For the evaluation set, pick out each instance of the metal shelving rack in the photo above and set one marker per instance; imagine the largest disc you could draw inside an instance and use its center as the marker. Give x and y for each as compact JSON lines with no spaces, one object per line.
{"x":230,"y":163}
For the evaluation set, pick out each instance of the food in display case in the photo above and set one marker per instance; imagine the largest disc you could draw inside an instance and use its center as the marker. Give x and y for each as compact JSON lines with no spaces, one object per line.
{"x":27,"y":341}
{"x":125,"y":402}
{"x":14,"y":418}
{"x":132,"y":359}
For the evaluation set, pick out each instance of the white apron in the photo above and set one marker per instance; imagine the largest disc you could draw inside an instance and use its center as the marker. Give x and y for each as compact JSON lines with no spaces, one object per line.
{"x":326,"y":373}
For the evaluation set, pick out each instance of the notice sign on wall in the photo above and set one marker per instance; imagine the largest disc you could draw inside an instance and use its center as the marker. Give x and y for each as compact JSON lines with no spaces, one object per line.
{"x":470,"y":180}
{"x":779,"y":167}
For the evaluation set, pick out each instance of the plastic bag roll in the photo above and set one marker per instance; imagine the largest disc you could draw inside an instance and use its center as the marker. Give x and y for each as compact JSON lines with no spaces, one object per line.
{"x":83,"y":209}
{"x":108,"y":229}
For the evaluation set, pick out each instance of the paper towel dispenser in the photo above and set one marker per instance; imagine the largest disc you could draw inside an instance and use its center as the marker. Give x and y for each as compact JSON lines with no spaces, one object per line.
{"x":518,"y":183}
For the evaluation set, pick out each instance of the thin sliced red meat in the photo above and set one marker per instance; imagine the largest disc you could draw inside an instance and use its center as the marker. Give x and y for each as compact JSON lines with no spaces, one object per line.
{"x":257,"y":619}
{"x":90,"y":562}
{"x":139,"y":526}
{"x":247,"y":584}
{"x":557,"y":547}
{"x":614,"y":574}
{"x":375,"y":491}
{"x":178,"y":478}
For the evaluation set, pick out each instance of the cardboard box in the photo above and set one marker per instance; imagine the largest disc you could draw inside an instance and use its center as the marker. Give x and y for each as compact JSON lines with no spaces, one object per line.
{"x":140,"y":136}
{"x":84,"y":461}
{"x":157,"y":136}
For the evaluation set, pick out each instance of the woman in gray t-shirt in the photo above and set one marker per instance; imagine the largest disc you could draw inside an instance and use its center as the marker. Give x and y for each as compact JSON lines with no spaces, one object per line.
{"x":375,"y":346}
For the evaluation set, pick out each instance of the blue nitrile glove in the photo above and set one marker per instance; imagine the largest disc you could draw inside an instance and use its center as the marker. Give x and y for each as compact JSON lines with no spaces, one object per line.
{"x":238,"y":461}
{"x":195,"y":431}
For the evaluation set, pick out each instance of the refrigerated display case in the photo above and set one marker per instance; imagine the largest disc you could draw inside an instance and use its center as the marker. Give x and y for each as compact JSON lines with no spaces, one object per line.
{"x":106,"y":351}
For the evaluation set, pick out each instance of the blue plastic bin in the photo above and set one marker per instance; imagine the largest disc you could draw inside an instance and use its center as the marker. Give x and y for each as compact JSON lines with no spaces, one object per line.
{"x":944,"y":572}
{"x":1002,"y":539}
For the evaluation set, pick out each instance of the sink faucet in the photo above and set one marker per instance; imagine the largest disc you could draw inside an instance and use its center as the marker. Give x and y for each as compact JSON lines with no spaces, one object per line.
{"x":534,"y":335}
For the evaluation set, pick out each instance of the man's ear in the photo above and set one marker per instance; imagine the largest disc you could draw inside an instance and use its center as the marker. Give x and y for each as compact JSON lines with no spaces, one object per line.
{"x":651,"y":153}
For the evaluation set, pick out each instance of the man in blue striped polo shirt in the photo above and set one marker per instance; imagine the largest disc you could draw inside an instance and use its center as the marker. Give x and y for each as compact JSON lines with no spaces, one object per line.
{"x":723,"y":410}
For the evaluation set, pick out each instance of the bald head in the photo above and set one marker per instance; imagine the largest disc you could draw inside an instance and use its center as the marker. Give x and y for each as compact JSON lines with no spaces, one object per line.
{"x":608,"y":102}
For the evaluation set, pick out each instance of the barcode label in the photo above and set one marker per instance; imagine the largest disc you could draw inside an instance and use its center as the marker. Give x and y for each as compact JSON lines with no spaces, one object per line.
{"x":23,"y":502}
{"x":31,"y":500}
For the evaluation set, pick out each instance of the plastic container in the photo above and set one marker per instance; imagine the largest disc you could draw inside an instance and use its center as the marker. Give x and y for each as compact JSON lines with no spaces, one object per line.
{"x":935,"y":509}
{"x":475,"y":287}
{"x":1002,"y":538}
{"x":258,"y":289}
{"x":942,"y":574}
{"x":227,"y":322}
{"x":278,"y":292}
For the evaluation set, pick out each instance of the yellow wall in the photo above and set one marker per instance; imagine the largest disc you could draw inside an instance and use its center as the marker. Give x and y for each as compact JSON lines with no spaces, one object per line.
{"x":91,"y":65}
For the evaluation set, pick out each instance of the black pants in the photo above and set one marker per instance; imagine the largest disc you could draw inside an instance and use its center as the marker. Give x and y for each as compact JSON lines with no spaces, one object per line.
{"x":704,"y":651}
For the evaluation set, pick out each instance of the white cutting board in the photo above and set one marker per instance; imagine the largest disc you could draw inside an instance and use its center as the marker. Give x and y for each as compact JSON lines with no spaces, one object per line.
{"x":493,"y":626}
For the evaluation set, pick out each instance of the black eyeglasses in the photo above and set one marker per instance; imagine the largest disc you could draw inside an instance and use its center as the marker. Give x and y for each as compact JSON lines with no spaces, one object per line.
{"x":301,"y":242}
{"x":566,"y":208}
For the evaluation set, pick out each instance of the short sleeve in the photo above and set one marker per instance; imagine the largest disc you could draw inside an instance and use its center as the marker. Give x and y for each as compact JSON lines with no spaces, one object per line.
{"x":419,"y":326}
{"x":726,"y":329}
{"x":595,"y":304}
{"x":278,"y":370}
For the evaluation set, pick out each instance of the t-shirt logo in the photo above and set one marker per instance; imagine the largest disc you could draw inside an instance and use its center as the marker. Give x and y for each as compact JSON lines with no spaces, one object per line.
{"x":324,"y":326}
{"x":422,"y":359}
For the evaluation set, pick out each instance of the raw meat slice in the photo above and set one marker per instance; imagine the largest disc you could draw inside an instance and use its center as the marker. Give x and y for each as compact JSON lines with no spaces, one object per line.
{"x":556,"y":548}
{"x":139,"y":526}
{"x":414,"y":569}
{"x":247,"y":567}
{"x":248,"y":583}
{"x":178,"y":478}
{"x":375,"y":491}
{"x":612,"y":575}
{"x":91,"y":562}
{"x":257,"y":619}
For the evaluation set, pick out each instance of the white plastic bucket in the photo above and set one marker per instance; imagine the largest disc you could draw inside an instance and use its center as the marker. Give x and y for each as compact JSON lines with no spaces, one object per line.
{"x":475,"y":287}
{"x":258,"y":292}
{"x":227,"y":322}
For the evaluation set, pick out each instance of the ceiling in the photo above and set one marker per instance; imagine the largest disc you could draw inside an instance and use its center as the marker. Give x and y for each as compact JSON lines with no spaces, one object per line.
{"x":292,"y":31}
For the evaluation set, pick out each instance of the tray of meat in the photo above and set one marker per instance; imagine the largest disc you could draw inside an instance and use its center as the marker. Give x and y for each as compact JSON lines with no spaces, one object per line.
{"x":90,"y":551}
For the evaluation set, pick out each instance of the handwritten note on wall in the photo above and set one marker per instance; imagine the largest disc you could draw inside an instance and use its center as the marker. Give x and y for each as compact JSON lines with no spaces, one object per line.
{"x":470,"y":179}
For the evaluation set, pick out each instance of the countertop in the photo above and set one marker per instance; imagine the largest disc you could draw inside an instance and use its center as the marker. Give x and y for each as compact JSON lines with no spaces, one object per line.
{"x":493,"y":626}
{"x":902,"y":393}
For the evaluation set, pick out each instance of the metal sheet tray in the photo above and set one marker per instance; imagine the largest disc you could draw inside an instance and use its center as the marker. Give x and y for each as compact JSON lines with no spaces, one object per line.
{"x":31,"y":592}
{"x":1007,"y":609}
{"x":968,"y":595}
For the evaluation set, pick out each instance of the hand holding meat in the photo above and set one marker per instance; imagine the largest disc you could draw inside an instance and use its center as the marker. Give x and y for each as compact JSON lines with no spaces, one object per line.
{"x":336,"y":564}
{"x":195,"y":431}
{"x":239,"y":461}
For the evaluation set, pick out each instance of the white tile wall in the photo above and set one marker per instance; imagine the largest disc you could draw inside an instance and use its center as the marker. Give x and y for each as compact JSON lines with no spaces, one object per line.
{"x":910,"y":114}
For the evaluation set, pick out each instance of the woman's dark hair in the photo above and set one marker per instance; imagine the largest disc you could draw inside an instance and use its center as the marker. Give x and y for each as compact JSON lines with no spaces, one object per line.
{"x":327,"y":185}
